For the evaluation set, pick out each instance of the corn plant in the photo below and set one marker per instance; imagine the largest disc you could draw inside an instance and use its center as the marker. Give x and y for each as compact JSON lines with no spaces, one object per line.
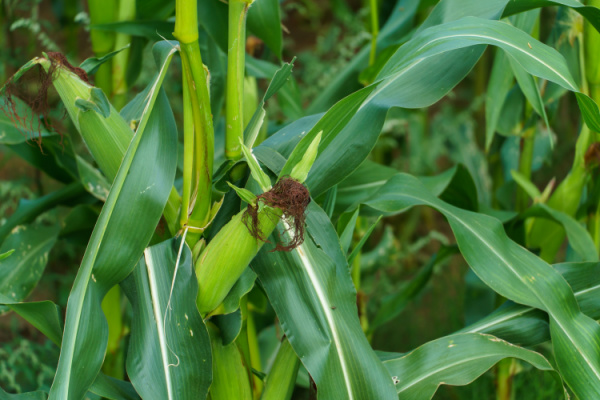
{"x":202,"y":248}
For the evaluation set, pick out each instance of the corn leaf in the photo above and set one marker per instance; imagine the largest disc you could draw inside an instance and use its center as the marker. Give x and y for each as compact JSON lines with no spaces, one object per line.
{"x":20,"y":273}
{"x":312,"y":293}
{"x":47,"y":318}
{"x":119,"y":237}
{"x":453,"y":360}
{"x":169,"y":356}
{"x":515,"y":273}
{"x":412,"y":79}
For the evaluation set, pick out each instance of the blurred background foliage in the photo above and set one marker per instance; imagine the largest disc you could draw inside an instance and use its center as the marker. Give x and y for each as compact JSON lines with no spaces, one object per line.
{"x":324,"y":36}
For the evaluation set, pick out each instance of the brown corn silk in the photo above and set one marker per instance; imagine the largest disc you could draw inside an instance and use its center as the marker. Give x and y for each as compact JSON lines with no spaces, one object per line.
{"x":33,"y":91}
{"x":289,"y":196}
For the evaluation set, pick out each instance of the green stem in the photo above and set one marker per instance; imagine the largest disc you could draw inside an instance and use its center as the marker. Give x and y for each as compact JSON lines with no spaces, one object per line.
{"x":234,"y":121}
{"x":254,"y":353}
{"x":505,"y":373}
{"x":282,"y":377}
{"x":114,"y":361}
{"x":199,"y":147}
{"x":525,"y":164}
{"x":374,"y":30}
{"x":119,"y":63}
{"x":103,"y":12}
{"x":188,"y":149}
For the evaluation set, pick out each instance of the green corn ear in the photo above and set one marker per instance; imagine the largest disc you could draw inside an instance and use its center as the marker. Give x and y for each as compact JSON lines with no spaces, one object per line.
{"x":107,"y":137}
{"x":227,"y":255}
{"x":103,"y":130}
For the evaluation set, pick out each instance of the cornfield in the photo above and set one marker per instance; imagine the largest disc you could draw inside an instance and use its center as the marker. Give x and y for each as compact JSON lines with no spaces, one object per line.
{"x":226,"y":227}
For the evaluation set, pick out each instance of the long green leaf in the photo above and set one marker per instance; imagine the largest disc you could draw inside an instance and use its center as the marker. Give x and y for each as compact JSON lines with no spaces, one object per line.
{"x":312,"y":293}
{"x":453,"y":360}
{"x":119,"y":237}
{"x":265,"y":22}
{"x":412,"y":79}
{"x":516,"y":274}
{"x":169,"y":349}
{"x":528,"y":326}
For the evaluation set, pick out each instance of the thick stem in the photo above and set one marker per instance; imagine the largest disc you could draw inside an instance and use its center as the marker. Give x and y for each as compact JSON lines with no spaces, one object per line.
{"x":199,"y":147}
{"x":234,"y":121}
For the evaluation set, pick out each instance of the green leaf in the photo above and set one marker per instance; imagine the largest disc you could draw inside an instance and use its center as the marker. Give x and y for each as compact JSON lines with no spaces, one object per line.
{"x":300,"y":171}
{"x":515,"y":273}
{"x":453,"y":360}
{"x":361,"y":184}
{"x":46,"y":317}
{"x":579,"y":238}
{"x":169,"y":350}
{"x":244,"y":194}
{"x":529,"y":89}
{"x":528,"y":326}
{"x":153,"y":30}
{"x":20,"y":273}
{"x":362,"y":242}
{"x":500,"y":82}
{"x":122,"y":232}
{"x":316,"y":305}
{"x":532,"y":191}
{"x":91,"y":65}
{"x":13,"y":132}
{"x":279,"y":79}
{"x":230,"y":378}
{"x":348,"y":230}
{"x":281,"y":379}
{"x":592,"y":14}
{"x":43,"y":315}
{"x":6,"y":254}
{"x":257,"y":173}
{"x":412,"y":79}
{"x":242,"y":287}
{"x":264,"y":21}
{"x":37,"y":395}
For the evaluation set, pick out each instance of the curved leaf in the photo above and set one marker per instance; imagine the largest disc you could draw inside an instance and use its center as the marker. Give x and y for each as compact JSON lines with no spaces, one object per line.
{"x":412,"y":78}
{"x":528,"y":326}
{"x":453,"y":360}
{"x":515,"y":273}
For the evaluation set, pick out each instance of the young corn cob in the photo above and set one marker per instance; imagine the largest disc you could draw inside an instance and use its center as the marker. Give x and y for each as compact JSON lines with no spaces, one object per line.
{"x":227,"y":255}
{"x":231,"y":250}
{"x":101,"y":127}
